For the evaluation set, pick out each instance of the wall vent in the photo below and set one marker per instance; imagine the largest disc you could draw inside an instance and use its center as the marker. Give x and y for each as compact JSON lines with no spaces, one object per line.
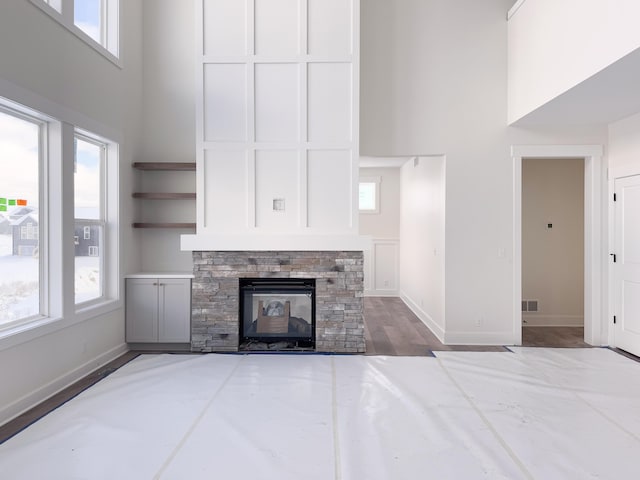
{"x":532,"y":305}
{"x":524,"y":305}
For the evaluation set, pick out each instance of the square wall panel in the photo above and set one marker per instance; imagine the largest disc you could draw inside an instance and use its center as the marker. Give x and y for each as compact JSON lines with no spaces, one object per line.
{"x":330,"y":27}
{"x":277,"y":27}
{"x":277,"y":88}
{"x":277,"y":192}
{"x":225,"y":190}
{"x":225,"y":102}
{"x":225,"y":27}
{"x":330,"y":102}
{"x":329,"y":189}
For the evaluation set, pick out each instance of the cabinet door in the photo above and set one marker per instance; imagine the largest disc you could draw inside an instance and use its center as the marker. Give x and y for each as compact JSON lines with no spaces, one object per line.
{"x":174,"y":319}
{"x":142,"y":310}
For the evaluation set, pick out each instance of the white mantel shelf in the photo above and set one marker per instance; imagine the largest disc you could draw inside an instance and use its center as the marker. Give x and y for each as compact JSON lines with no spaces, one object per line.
{"x":274,"y":242}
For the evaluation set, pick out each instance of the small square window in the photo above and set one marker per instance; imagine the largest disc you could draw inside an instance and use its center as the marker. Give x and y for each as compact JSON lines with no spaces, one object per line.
{"x":368,"y":195}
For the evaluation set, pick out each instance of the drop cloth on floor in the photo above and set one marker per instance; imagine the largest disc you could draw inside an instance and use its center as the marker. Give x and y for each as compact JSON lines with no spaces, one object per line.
{"x":535,"y":413}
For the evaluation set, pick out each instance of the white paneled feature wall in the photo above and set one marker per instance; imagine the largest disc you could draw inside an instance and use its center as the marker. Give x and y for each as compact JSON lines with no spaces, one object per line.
{"x":277,"y":122}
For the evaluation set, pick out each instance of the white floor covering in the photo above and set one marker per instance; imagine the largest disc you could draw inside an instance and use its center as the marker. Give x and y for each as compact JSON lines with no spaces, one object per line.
{"x":533,"y":414}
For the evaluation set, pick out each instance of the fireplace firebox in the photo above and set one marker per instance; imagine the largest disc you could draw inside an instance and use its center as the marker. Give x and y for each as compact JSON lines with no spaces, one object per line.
{"x":277,"y":313}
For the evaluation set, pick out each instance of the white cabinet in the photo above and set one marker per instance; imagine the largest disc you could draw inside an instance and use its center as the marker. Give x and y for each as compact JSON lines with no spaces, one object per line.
{"x":158,"y":310}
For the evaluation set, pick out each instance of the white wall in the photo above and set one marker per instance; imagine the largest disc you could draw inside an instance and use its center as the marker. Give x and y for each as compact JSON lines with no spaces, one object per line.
{"x":624,"y":143}
{"x":50,"y":69}
{"x":279,"y":123}
{"x":554,"y":46}
{"x":434,"y":82}
{"x":168,"y":129}
{"x":553,"y":258}
{"x":381,"y":262}
{"x":422,"y":240}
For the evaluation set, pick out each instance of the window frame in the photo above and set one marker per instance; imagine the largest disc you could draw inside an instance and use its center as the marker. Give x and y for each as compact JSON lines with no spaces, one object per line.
{"x":42,"y":122}
{"x":56,"y":223}
{"x":62,"y":11}
{"x":101,"y":223}
{"x":370,"y":180}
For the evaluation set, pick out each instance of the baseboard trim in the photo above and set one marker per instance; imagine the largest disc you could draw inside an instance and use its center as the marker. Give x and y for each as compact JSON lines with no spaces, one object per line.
{"x":423,"y":316}
{"x":552,"y":320}
{"x":30,"y":400}
{"x":381,"y":293}
{"x":479,"y":338}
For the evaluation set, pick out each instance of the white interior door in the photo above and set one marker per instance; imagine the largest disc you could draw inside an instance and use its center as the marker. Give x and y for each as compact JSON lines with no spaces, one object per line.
{"x":627,"y":264}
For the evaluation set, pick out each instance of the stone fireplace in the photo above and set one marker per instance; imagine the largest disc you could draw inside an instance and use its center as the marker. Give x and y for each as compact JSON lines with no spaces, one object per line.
{"x":338,"y":278}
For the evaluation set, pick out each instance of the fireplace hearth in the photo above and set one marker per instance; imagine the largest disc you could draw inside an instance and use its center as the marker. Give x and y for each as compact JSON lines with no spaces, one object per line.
{"x":277,"y":313}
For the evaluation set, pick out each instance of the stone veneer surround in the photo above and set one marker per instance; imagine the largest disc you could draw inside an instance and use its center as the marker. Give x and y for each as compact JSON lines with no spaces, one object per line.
{"x":339,"y":295}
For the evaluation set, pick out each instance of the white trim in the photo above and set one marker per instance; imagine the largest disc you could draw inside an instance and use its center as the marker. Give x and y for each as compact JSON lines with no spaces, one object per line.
{"x":383,"y":162}
{"x":372,"y":291}
{"x":277,"y":242}
{"x":595,"y":330}
{"x":516,"y":6}
{"x":28,"y":401}
{"x":613,"y":175}
{"x":425,"y":318}
{"x":18,"y":97}
{"x":536,"y":320}
{"x":478,"y":338}
{"x":109,"y":33}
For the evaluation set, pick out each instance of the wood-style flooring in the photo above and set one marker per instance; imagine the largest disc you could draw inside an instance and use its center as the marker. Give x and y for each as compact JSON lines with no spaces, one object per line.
{"x":392,"y":329}
{"x":559,"y":337}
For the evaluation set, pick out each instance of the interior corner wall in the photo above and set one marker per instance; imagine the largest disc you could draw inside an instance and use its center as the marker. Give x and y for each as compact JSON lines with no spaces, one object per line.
{"x":168,"y":129}
{"x":422,"y":237}
{"x":553,"y":257}
{"x":435,"y":81}
{"x":55,"y":72}
{"x":547,"y":44}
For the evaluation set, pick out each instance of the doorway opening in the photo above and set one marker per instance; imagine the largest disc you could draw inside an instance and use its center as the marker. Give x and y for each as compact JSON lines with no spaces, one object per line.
{"x":593,"y":237}
{"x":553,"y":252}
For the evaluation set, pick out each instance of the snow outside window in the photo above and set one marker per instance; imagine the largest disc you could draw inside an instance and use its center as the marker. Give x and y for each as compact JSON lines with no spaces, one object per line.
{"x":89,"y":207}
{"x":20,"y":262}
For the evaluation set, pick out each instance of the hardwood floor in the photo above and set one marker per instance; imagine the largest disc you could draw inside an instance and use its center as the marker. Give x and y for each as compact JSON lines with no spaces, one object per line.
{"x":392,"y":329}
{"x":559,"y":337}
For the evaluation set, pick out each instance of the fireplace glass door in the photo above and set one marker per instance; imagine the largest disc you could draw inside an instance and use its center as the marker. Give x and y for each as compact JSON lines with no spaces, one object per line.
{"x":278,"y":310}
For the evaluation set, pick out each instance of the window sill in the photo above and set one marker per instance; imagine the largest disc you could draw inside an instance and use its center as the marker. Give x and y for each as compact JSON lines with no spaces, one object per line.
{"x":32,"y":330}
{"x":71,"y":27}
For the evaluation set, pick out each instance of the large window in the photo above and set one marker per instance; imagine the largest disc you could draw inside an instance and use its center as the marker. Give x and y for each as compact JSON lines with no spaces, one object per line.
{"x":96,"y":20}
{"x":20,"y":259}
{"x":58,"y":245}
{"x":89,"y":217}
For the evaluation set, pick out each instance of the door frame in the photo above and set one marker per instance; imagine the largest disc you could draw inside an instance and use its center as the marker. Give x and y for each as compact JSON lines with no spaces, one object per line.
{"x":615,"y":174}
{"x":596,"y":331}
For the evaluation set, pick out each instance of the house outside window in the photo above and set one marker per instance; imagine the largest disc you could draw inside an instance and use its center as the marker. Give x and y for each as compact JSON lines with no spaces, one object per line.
{"x":89,"y":208}
{"x":22,"y":285}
